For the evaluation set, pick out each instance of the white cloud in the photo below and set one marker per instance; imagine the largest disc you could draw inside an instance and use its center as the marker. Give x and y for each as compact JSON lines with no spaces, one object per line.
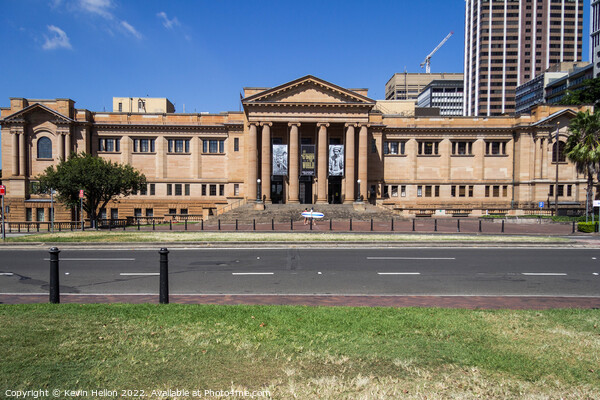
{"x":59,"y":39}
{"x":131,"y":29}
{"x":100,"y":7}
{"x":168,"y":23}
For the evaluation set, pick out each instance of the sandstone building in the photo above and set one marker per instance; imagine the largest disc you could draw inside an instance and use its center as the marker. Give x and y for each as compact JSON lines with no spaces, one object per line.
{"x":305,"y":141}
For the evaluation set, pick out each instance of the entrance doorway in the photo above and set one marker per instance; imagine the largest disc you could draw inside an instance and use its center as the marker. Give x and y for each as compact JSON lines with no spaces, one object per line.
{"x":305,"y":190}
{"x":277,"y":190}
{"x":335,"y":190}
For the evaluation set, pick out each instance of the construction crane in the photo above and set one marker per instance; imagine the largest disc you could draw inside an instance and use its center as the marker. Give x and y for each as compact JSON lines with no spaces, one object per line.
{"x":426,"y":63}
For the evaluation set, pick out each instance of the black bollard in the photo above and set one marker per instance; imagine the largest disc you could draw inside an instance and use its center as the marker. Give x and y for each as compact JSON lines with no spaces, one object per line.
{"x":479,"y":225}
{"x":413,"y":224}
{"x":311,"y":220}
{"x":573,"y":227}
{"x":219,"y":222}
{"x":371,"y":224}
{"x":201,"y":224}
{"x":502,"y":226}
{"x":54,"y":284}
{"x":185,"y":224}
{"x":254,"y":224}
{"x":330,"y":224}
{"x":350,"y":223}
{"x":458,"y":225}
{"x":392,"y":224}
{"x":153,"y":227}
{"x":171,"y":225}
{"x":164,"y":276}
{"x":272,"y":224}
{"x":236,"y":224}
{"x":138,"y":221}
{"x":291,"y":224}
{"x":435,"y":225}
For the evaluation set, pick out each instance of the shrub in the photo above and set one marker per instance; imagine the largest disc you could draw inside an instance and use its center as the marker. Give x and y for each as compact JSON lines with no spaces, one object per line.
{"x":587,"y":227}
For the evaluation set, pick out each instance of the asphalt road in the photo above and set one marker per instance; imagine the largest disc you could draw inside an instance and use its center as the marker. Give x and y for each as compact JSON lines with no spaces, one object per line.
{"x":406,"y":271}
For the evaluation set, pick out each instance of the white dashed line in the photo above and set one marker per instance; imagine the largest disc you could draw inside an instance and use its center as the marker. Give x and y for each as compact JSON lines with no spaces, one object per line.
{"x":398,"y":273}
{"x":411,"y":258}
{"x":139,"y":273}
{"x":6,"y":273}
{"x":544,"y":273}
{"x":252,"y":273}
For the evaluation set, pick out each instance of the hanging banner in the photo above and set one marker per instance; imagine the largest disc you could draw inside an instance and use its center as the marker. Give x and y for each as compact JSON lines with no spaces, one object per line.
{"x":336,"y":160}
{"x":280,"y":159}
{"x":307,"y":159}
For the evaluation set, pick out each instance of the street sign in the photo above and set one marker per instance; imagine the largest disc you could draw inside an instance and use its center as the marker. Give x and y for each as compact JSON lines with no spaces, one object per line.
{"x":596,"y":203}
{"x":541,"y":204}
{"x":2,"y":190}
{"x":81,"y":194}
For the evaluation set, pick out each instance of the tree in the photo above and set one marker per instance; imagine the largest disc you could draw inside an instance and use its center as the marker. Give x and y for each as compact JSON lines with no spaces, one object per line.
{"x":102,"y":181}
{"x":588,"y":93}
{"x":583,"y":148}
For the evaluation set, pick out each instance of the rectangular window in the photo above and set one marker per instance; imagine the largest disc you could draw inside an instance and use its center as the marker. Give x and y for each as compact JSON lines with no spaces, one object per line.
{"x":137,"y":212}
{"x":114,"y":213}
{"x":236,"y":189}
{"x":183,"y":211}
{"x":172,"y":211}
{"x":213,"y":190}
{"x":144,"y":190}
{"x":495,"y":148}
{"x":462,"y":148}
{"x":487,"y":191}
{"x":169,"y":189}
{"x":427,"y":191}
{"x":28,"y":214}
{"x":462,"y":191}
{"x":394,"y":191}
{"x":496,"y":191}
{"x":428,"y":148}
{"x":203,"y":190}
{"x":221,"y":190}
{"x":561,"y":190}
{"x":213,"y":146}
{"x":393,"y":147}
{"x":39,"y":215}
{"x":504,"y":191}
{"x":149,"y":212}
{"x":187,"y":189}
{"x":419,"y":193}
{"x":178,"y":189}
{"x":178,"y":145}
{"x":102,"y":213}
{"x":403,"y":191}
{"x":143,"y":145}
{"x":373,"y":146}
{"x":109,"y":145}
{"x":569,"y":190}
{"x":470,"y":191}
{"x":551,"y":191}
{"x":236,"y":144}
{"x":152,"y":189}
{"x":437,"y":191}
{"x":453,"y":191}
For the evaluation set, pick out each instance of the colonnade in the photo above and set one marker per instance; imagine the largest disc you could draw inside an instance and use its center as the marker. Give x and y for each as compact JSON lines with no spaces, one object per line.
{"x":19,"y":157}
{"x":263,"y":171}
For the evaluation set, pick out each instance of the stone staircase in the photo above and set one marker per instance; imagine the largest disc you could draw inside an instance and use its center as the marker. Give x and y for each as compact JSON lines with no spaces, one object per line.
{"x":285,"y":212}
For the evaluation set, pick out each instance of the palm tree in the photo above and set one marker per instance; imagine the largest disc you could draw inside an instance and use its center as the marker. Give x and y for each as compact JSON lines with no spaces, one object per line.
{"x":583,"y":148}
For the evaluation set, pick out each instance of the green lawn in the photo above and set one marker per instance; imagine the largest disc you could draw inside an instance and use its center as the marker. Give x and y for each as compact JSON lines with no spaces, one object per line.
{"x":302,"y":352}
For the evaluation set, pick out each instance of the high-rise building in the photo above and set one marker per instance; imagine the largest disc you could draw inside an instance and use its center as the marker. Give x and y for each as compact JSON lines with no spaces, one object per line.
{"x":595,"y":36}
{"x":408,"y":85}
{"x":509,"y":42}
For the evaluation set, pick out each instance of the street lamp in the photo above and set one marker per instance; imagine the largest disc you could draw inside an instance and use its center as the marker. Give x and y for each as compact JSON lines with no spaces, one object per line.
{"x":557,"y":160}
{"x":358,"y":192}
{"x":258,"y":190}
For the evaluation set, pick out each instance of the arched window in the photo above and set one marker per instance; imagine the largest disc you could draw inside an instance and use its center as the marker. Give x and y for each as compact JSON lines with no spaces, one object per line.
{"x":561,"y":152}
{"x":44,"y":148}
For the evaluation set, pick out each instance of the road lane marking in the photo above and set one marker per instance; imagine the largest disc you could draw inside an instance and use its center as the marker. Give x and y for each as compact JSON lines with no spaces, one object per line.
{"x":93,"y":259}
{"x":398,"y":273}
{"x":595,"y":273}
{"x":252,"y":273}
{"x":411,"y":258}
{"x":139,"y":273}
{"x":6,"y":273}
{"x":543,"y":273}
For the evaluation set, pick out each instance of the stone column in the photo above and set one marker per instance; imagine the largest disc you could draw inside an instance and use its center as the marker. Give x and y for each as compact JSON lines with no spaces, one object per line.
{"x":322,"y":161}
{"x":265,"y":176}
{"x":22,"y":154}
{"x":15,"y":154}
{"x":293,"y":165}
{"x":362,"y":161}
{"x":350,"y":181}
{"x":252,"y":162}
{"x":67,"y":145}
{"x":61,"y":146}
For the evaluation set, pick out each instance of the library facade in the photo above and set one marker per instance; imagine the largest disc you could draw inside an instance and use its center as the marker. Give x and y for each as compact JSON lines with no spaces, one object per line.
{"x":306,"y":141}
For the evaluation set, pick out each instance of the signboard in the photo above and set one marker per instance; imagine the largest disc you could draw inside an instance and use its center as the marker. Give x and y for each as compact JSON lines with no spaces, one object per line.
{"x":596,"y":203}
{"x":307,"y":159}
{"x":2,"y":190}
{"x":336,"y":160}
{"x":280,"y":159}
{"x":541,"y":204}
{"x":81,"y":194}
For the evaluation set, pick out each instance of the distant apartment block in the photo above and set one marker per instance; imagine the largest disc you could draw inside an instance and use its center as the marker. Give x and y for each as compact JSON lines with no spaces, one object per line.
{"x":595,"y":36}
{"x":142,"y":105}
{"x":447,"y":95}
{"x":408,"y":86}
{"x":556,"y":90}
{"x":508,"y":43}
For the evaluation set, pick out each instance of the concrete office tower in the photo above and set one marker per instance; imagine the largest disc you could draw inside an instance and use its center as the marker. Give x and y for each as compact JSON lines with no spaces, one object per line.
{"x":595,"y":36}
{"x":510,"y":42}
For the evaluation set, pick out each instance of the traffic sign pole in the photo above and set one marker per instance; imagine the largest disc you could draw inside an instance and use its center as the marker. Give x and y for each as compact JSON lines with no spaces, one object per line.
{"x":2,"y":193}
{"x":81,"y":208}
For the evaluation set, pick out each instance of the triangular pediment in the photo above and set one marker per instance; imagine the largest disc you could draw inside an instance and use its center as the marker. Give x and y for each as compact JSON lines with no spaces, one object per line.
{"x":20,"y":115}
{"x":308,"y":90}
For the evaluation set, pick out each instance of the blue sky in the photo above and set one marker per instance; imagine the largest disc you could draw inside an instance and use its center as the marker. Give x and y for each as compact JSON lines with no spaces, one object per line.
{"x":202,"y":53}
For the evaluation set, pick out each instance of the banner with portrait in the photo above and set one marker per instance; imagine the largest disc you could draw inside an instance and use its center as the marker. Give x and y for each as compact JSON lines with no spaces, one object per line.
{"x":307,"y":159}
{"x":336,"y":160}
{"x":280,"y":159}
